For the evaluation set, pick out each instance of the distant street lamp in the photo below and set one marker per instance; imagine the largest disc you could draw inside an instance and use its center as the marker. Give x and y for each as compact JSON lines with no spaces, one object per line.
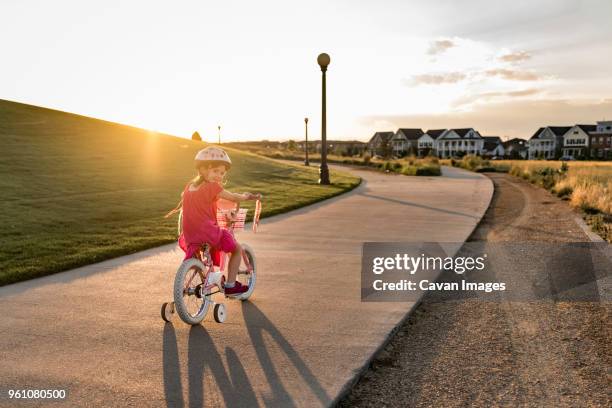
{"x":219,"y":133}
{"x":323,"y":60}
{"x":306,"y":145}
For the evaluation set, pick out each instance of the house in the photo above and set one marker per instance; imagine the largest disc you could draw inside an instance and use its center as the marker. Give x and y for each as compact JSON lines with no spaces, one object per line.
{"x":535,"y":145}
{"x":604,"y":126}
{"x":601,"y":141}
{"x":493,"y":147}
{"x":425,"y":143}
{"x":576,"y":141}
{"x":547,"y":142}
{"x":405,"y":141}
{"x":458,"y":142}
{"x":380,"y":144}
{"x":515,"y":148}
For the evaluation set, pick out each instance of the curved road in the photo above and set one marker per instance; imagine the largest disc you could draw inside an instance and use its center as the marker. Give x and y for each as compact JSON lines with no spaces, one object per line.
{"x":96,"y":332}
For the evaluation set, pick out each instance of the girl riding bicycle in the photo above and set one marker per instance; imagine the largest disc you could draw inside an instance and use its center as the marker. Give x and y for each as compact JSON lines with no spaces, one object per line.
{"x":198,"y":208}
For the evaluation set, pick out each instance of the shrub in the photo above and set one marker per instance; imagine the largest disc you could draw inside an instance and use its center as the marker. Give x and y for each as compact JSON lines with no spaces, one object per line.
{"x":421,"y":169}
{"x":428,"y":170}
{"x":409,"y":170}
{"x":366,"y":158}
{"x":564,"y":191}
{"x":564,"y":167}
{"x":516,"y":171}
{"x":431,"y":159}
{"x":545,"y":171}
{"x":544,"y":176}
{"x":472,"y":162}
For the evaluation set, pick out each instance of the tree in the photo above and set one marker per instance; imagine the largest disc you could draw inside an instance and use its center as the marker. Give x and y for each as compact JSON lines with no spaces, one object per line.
{"x":291,"y":145}
{"x":385,"y":148}
{"x":196,"y":136}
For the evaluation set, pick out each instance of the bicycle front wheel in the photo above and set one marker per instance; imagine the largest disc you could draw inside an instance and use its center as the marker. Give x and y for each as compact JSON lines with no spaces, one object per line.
{"x":190,"y":303}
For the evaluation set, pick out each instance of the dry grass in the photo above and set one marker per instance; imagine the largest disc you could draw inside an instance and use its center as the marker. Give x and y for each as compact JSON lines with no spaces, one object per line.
{"x":588,"y":185}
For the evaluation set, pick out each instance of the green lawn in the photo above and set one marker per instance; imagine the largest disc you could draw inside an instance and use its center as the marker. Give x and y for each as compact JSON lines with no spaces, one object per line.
{"x":76,"y":190}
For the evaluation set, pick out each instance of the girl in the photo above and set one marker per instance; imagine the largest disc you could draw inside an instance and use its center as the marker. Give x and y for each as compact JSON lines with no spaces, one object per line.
{"x":199,"y":214}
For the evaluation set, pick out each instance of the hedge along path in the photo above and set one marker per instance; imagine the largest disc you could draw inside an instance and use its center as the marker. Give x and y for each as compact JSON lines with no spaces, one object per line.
{"x":77,"y":190}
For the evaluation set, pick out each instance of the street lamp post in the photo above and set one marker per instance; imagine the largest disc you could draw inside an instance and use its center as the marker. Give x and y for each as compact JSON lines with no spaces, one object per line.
{"x":219,"y":133}
{"x":306,"y":145}
{"x":323,"y":60}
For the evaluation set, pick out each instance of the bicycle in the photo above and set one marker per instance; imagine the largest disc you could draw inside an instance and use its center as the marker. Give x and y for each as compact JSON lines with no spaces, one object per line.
{"x":197,"y":280}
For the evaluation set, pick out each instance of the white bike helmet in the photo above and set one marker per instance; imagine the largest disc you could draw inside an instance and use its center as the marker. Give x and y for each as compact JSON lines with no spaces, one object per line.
{"x":212,"y":155}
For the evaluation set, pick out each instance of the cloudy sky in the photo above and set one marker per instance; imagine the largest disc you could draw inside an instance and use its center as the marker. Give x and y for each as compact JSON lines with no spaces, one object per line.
{"x":502,"y":67}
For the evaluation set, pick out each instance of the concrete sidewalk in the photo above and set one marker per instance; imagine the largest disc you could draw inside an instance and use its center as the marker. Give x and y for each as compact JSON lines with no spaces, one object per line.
{"x":96,"y":331}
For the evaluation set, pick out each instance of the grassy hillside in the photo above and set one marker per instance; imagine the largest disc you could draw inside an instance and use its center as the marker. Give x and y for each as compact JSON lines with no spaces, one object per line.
{"x":76,"y":190}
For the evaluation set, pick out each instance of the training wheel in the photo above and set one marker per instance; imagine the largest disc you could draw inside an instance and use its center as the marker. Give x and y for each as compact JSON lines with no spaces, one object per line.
{"x":167,"y":311}
{"x":219,"y":313}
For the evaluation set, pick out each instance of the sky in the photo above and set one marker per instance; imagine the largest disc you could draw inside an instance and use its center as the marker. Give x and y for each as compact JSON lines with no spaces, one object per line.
{"x":502,"y":67}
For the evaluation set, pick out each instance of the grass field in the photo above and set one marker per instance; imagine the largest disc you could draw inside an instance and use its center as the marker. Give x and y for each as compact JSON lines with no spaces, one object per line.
{"x":76,"y":190}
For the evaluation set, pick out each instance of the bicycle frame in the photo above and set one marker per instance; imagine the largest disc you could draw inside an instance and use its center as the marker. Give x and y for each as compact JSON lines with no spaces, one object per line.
{"x":204,"y":253}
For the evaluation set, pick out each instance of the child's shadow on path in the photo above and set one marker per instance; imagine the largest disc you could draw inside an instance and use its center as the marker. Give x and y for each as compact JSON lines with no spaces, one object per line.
{"x":235,"y":388}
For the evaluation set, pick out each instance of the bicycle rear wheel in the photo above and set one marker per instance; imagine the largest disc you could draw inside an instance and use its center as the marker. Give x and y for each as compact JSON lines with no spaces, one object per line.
{"x":190,"y":304}
{"x":245,"y":276}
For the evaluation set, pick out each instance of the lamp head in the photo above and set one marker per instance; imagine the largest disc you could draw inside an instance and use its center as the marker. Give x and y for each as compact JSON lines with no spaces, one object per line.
{"x":323,"y":60}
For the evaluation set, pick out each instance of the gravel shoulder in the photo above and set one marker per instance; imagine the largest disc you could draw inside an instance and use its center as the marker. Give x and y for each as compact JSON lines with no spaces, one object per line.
{"x":476,"y":353}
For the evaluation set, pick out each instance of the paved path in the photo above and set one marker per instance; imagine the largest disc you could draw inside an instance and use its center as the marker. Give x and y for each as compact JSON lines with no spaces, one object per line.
{"x":96,"y":332}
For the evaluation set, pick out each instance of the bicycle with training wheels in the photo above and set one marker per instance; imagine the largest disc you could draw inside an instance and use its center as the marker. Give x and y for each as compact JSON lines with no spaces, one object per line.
{"x":198,"y":279}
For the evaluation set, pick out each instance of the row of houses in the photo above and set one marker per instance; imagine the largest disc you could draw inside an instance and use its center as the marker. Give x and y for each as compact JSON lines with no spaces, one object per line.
{"x":551,"y":142}
{"x":443,"y":143}
{"x":575,"y":142}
